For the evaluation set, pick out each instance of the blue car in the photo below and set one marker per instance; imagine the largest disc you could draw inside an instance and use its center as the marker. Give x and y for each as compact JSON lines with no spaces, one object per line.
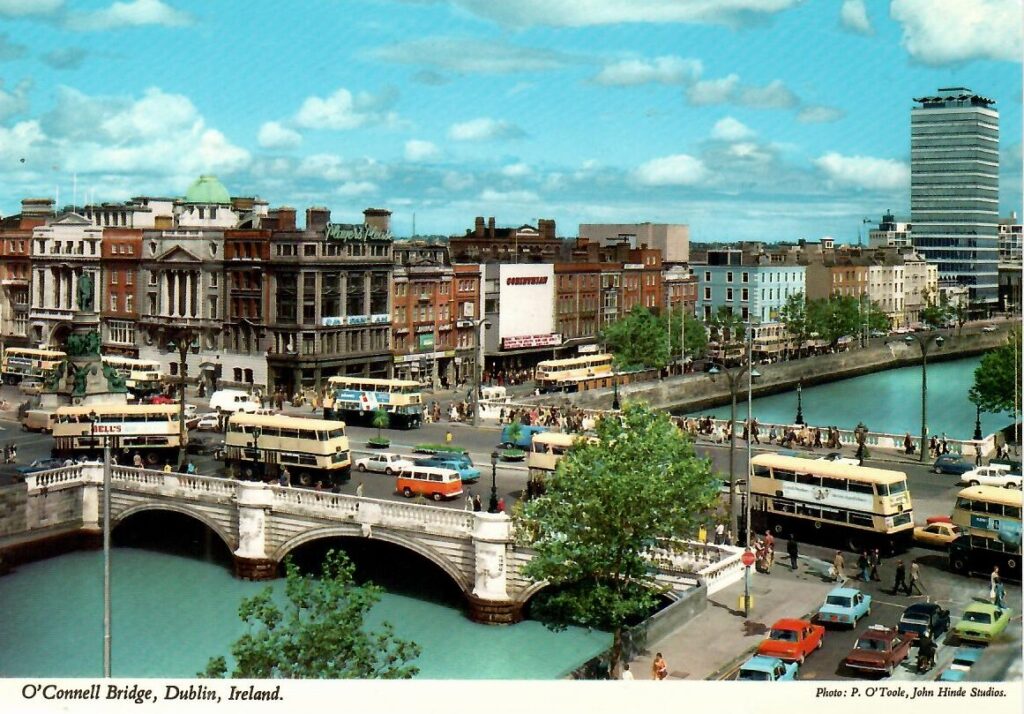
{"x":766,"y":669}
{"x":460,"y":463}
{"x":525,"y":436}
{"x":951,"y":464}
{"x":963,"y":659}
{"x":844,"y":606}
{"x":40,"y":465}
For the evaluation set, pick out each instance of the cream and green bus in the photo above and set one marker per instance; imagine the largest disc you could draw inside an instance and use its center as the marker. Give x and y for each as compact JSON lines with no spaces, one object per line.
{"x":835,"y":504}
{"x":546,"y":450}
{"x":151,"y":430}
{"x":141,"y":376}
{"x":27,"y":363}
{"x":989,"y":519}
{"x":357,"y":398}
{"x":573,"y":374}
{"x":259,"y":446}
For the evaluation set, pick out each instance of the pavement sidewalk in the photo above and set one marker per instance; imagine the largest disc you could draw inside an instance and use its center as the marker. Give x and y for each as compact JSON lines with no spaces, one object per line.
{"x":720,"y":638}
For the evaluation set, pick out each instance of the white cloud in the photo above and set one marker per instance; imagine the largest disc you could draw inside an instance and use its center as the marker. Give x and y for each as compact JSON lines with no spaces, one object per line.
{"x":459,"y":54}
{"x":729,"y":90}
{"x":729,"y":129}
{"x":573,"y":13}
{"x":713,"y":91}
{"x":661,"y":70}
{"x":865,"y":171}
{"x":818,"y":114}
{"x":960,"y":30}
{"x":16,"y":101}
{"x":490,"y":195}
{"x":20,"y":8}
{"x":21,"y":139}
{"x":454,"y":181}
{"x":357,"y":188}
{"x":675,"y":170}
{"x":343,"y":110}
{"x":517,"y":170}
{"x":484,"y":129}
{"x":419,"y":150}
{"x":772,"y":96}
{"x":854,"y":16}
{"x":275,"y":136}
{"x":134,"y":13}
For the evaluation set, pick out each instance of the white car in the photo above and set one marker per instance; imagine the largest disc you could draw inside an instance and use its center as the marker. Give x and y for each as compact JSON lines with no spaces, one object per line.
{"x":997,"y":475}
{"x":988,"y":328}
{"x":208,"y":422}
{"x":383,"y":463}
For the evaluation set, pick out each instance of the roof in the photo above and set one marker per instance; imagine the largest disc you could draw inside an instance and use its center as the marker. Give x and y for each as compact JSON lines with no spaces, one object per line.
{"x":828,"y":468}
{"x":291,"y":422}
{"x":102,"y":409}
{"x":921,"y":607}
{"x":983,"y":607}
{"x":993,"y":494}
{"x":848,"y":592}
{"x":761,"y":663}
{"x":790,"y":623}
{"x":569,"y":361}
{"x":207,"y":189}
{"x":559,"y":439}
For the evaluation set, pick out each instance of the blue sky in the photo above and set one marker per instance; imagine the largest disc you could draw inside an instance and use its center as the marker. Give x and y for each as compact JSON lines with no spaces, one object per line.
{"x":746,"y":119}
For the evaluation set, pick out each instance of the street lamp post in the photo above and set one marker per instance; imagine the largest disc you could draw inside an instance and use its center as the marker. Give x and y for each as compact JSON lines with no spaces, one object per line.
{"x":106,"y":541}
{"x":799,"y":403}
{"x":977,"y":423}
{"x":925,"y":343}
{"x":478,"y":326}
{"x":492,"y":507}
{"x":180,"y":342}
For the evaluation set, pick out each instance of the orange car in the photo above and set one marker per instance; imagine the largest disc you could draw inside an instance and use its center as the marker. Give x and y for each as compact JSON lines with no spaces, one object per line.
{"x":792,"y":640}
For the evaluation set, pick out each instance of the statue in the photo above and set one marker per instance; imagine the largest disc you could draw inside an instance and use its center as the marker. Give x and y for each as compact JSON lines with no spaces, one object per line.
{"x":85,"y":292}
{"x":74,"y":345}
{"x":80,"y":376}
{"x":56,"y":377}
{"x":92,"y":343}
{"x":115,"y":382}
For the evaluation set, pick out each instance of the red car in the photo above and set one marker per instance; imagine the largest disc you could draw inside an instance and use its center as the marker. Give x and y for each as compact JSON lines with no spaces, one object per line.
{"x":792,"y":640}
{"x":878,"y":649}
{"x":161,"y":399}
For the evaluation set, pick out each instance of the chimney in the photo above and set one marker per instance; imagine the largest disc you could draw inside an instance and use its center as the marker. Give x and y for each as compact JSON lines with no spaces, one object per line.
{"x":379,"y":218}
{"x":37,"y":207}
{"x":478,"y":227}
{"x":490,"y":227}
{"x":546,"y":228}
{"x":317,"y":218}
{"x":280,"y":219}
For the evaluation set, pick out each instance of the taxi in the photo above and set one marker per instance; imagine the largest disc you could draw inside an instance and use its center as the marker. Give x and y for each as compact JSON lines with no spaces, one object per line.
{"x":766,"y":669}
{"x":937,"y":535}
{"x":792,"y":640}
{"x":844,"y":606}
{"x":878,"y":649}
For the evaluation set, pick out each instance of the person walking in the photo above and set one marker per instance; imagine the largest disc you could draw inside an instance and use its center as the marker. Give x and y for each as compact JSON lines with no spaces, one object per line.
{"x":915,"y":579}
{"x":793,"y":550}
{"x":993,"y":579}
{"x":659,"y":668}
{"x":626,"y":674}
{"x":286,"y":476}
{"x":874,"y":560}
{"x":477,"y":503}
{"x":719,"y":533}
{"x":899,"y":582}
{"x":359,"y":490}
{"x":839,"y":567}
{"x":1000,"y":593}
{"x":862,"y":563}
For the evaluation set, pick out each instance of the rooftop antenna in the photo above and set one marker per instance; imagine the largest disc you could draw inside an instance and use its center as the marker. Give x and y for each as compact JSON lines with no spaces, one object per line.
{"x":74,"y":191}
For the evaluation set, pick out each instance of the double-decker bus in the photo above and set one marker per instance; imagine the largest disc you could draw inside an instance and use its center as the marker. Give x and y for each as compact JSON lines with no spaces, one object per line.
{"x":574,"y":374}
{"x":546,"y":450}
{"x":259,"y":446}
{"x":141,"y":376}
{"x":357,"y":398}
{"x":989,"y":519}
{"x":831,"y":503}
{"x":152,"y":430}
{"x":25,"y":362}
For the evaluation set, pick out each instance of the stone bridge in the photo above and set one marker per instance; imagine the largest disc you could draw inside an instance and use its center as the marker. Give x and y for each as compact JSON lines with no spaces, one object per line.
{"x":261,"y":524}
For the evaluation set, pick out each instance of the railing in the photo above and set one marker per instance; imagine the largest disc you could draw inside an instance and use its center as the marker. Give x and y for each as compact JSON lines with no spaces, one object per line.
{"x":60,"y":477}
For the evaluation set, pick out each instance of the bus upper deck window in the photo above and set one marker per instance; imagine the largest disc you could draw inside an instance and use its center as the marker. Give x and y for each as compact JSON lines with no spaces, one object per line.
{"x":897,"y":487}
{"x":882,"y":489}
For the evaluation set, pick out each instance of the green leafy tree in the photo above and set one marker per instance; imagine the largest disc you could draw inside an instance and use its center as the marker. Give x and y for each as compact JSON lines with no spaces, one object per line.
{"x":937,"y":313}
{"x":515,"y":433}
{"x":638,"y":340}
{"x":320,"y":635}
{"x":381,"y":420}
{"x":835,"y":317}
{"x":794,"y":316}
{"x":875,"y":317}
{"x":696,"y":335}
{"x":608,"y":504}
{"x":993,"y":387}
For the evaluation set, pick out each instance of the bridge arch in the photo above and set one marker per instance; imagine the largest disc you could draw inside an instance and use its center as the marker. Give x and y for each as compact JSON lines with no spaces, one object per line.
{"x":349,"y":530}
{"x":225,"y":537}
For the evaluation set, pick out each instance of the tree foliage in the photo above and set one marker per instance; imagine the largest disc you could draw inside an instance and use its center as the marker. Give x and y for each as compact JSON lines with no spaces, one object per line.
{"x":841,"y":315}
{"x":381,"y":419}
{"x":638,"y":340}
{"x":639,"y":487}
{"x":937,"y":313}
{"x":696,"y":335}
{"x":727,"y":327}
{"x":794,"y":316}
{"x":993,"y":387}
{"x":319,"y":635}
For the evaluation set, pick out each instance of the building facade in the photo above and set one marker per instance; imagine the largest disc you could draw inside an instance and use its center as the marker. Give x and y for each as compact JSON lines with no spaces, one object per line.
{"x":891,"y":233}
{"x":119,"y":313}
{"x":749,"y":285}
{"x":672,"y":239}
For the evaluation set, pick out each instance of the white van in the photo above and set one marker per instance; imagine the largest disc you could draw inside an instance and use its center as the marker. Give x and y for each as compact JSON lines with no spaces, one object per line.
{"x":230,"y":401}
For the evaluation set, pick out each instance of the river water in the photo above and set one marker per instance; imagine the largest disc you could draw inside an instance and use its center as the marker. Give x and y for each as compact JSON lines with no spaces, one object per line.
{"x":888,"y":402}
{"x":171,"y":613}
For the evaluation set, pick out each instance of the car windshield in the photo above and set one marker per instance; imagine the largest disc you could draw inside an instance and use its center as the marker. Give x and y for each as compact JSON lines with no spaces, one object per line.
{"x":753,"y":675}
{"x":837,"y":600}
{"x":871,"y":644}
{"x":913,"y":620}
{"x":981,"y":617}
{"x":783,"y":635}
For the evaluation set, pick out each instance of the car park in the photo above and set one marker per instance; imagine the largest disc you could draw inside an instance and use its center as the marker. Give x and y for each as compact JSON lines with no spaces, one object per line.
{"x":937,"y":535}
{"x":461,"y":463}
{"x":998,"y":475}
{"x":792,"y":640}
{"x":963,"y":660}
{"x":208,"y":422}
{"x":766,"y":669}
{"x":844,"y":606}
{"x":981,"y":622}
{"x":951,"y":464}
{"x":878,"y":649}
{"x":383,"y":463}
{"x":923,"y":618}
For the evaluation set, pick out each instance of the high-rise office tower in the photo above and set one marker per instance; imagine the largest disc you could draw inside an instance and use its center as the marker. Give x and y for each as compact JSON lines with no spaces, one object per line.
{"x":954,"y":189}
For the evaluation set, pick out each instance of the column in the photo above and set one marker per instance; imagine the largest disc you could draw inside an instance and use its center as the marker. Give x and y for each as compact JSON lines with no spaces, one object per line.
{"x":186,"y":278}
{"x":197,"y":302}
{"x":165,"y":297}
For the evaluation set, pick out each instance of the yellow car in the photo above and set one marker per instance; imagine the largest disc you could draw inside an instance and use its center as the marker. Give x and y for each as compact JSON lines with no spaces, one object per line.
{"x":936,"y":535}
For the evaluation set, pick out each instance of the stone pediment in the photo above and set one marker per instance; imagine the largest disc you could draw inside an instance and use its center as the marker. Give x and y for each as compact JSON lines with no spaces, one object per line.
{"x":71,"y":219}
{"x":177,"y":254}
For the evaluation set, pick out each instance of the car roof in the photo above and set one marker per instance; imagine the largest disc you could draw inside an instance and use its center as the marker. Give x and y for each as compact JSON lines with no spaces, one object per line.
{"x":883,"y":633}
{"x":790,"y":623}
{"x":847,"y":592}
{"x":761,"y":663}
{"x":921,"y":607}
{"x":970,"y":654}
{"x":983,"y":607}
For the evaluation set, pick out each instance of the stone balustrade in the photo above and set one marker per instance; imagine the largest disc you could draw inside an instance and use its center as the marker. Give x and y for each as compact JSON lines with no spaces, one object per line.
{"x":62,"y":477}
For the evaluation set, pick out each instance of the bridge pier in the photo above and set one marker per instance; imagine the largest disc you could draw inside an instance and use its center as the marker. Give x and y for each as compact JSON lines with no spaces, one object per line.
{"x":489,"y":601}
{"x":255,"y":501}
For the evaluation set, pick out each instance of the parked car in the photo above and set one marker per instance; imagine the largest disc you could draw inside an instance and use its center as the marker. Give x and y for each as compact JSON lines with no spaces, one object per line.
{"x":208,"y":422}
{"x":461,"y":463}
{"x":30,"y":387}
{"x":989,"y":328}
{"x":844,"y":606}
{"x":878,"y":649}
{"x":792,"y":640}
{"x":383,"y":463}
{"x":937,"y":535}
{"x":923,"y":618}
{"x":1012,"y":464}
{"x":525,"y":436}
{"x":160,"y":399}
{"x":998,"y":475}
{"x":963,"y":659}
{"x":233,"y":400}
{"x":981,"y":622}
{"x":951,"y":464}
{"x":40,"y":465}
{"x":838,"y":458}
{"x":766,"y":669}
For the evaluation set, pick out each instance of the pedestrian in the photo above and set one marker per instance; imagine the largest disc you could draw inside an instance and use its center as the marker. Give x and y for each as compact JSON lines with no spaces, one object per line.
{"x":501,"y":505}
{"x":793,"y":549}
{"x":167,"y":468}
{"x":477,"y":504}
{"x":908,"y":443}
{"x":915,"y":579}
{"x":137,"y":460}
{"x":874,"y":560}
{"x":702,"y":533}
{"x":862,"y":563}
{"x":719,"y":533}
{"x":359,"y":490}
{"x":728,"y":538}
{"x":626,"y":674}
{"x":839,"y":567}
{"x":977,"y":454}
{"x":190,"y":468}
{"x":659,"y":668}
{"x":282,"y":478}
{"x":772,"y":435}
{"x":899,"y":582}
{"x":469,"y":501}
{"x":286,"y":476}
{"x":1000,"y":593}
{"x":448,"y":437}
{"x":993,"y":579}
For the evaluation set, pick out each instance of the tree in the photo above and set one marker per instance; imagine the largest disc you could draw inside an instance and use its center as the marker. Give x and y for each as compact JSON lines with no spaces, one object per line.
{"x":607,"y":505}
{"x":834,"y":317}
{"x":696,"y":335}
{"x":381,"y":420}
{"x":638,"y":340}
{"x":993,"y":389}
{"x":937,"y":314}
{"x":794,"y":316}
{"x":320,"y":635}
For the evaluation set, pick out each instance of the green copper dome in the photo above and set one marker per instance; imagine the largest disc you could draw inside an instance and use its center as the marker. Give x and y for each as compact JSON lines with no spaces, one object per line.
{"x":207,"y":189}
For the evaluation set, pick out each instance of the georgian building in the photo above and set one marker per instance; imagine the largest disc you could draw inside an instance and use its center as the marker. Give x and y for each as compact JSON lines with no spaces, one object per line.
{"x":121,"y":260}
{"x":16,"y":270}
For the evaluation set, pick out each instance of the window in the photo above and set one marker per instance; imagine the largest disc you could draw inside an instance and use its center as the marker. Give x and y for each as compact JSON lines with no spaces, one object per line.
{"x":152,"y":278}
{"x":309,"y":250}
{"x":707,"y":276}
{"x":129,"y":277}
{"x":287,"y":296}
{"x":746,"y":277}
{"x":113,"y":276}
{"x":707,"y":293}
{"x":744,"y":295}
{"x":728,"y":294}
{"x":113,"y":302}
{"x":213,"y":279}
{"x":123,"y":332}
{"x":129,"y":299}
{"x":728,"y":277}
